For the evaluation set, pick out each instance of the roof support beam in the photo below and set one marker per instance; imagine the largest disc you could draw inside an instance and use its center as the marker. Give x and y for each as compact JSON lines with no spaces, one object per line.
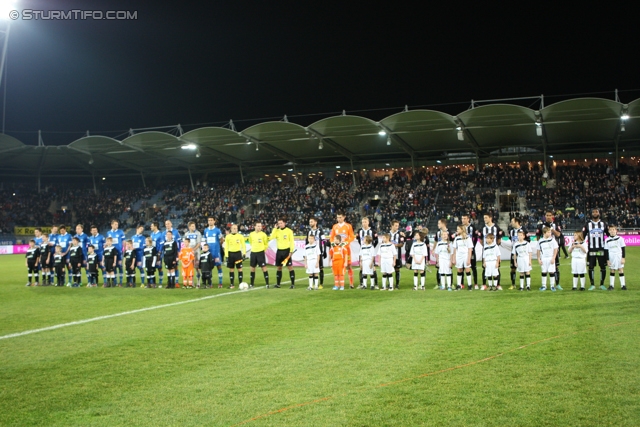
{"x":331,"y":143}
{"x":542,"y":133}
{"x":399,"y":141}
{"x":122,"y":163}
{"x":270,"y":148}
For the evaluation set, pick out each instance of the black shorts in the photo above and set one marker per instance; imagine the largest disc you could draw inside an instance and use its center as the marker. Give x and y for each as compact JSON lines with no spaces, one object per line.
{"x":234,"y":260}
{"x":258,"y":259}
{"x":109,"y":265}
{"x":281,"y":255}
{"x":32,"y":266}
{"x":593,"y":259}
{"x":171,"y":262}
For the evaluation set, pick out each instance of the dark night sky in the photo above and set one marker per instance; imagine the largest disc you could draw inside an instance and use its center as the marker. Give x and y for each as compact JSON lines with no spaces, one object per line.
{"x":202,"y":64}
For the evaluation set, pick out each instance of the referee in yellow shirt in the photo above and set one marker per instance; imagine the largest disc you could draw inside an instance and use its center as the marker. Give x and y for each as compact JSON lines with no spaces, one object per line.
{"x":258,"y":241}
{"x":234,"y":250}
{"x":286,"y":247}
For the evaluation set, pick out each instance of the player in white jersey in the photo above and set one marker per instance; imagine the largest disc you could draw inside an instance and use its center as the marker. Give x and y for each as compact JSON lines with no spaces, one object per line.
{"x":367,"y":267}
{"x":521,"y":255}
{"x":578,"y":251}
{"x":418,"y":253}
{"x":312,"y":261}
{"x":388,"y":256}
{"x":614,"y":248}
{"x":462,"y":247}
{"x":442,"y":252}
{"x":491,"y":261}
{"x":547,"y":251}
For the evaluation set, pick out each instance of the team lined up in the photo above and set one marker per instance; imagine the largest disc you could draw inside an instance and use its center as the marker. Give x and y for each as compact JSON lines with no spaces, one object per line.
{"x":196,"y":255}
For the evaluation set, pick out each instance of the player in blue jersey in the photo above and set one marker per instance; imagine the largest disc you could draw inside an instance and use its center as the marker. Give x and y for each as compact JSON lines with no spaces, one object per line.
{"x":37,"y":233}
{"x":117,"y":236}
{"x":64,"y":241}
{"x":176,"y":238}
{"x":53,"y":242}
{"x":138,"y":241}
{"x":213,"y":237}
{"x":195,"y":242}
{"x":84,"y":244}
{"x":97,"y":241}
{"x":157,"y":237}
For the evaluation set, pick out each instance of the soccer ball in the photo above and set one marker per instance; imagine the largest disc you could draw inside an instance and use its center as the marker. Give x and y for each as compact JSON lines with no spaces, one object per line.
{"x":243,"y":286}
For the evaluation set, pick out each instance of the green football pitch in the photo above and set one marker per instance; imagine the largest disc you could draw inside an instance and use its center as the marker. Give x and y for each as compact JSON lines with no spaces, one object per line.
{"x":281,"y":357}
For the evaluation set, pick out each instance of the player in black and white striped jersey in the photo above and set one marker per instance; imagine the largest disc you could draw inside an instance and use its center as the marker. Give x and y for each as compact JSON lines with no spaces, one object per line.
{"x":365,"y":231}
{"x":471,"y":232}
{"x":594,"y":233}
{"x":397,"y":238}
{"x":320,"y":241}
{"x":516,"y":227}
{"x":490,"y":228}
{"x":556,"y":232}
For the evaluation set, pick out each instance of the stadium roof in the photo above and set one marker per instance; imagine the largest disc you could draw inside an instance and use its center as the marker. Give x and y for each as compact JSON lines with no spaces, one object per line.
{"x":575,"y":126}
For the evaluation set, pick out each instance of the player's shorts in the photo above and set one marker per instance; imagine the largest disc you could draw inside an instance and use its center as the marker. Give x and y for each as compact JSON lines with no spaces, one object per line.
{"x":281,"y":255}
{"x":338,"y":269}
{"x":139,"y":258}
{"x":548,"y":265}
{"x":387,"y":266}
{"x":234,"y":260}
{"x":170,"y":262}
{"x":187,"y":271}
{"x":109,"y":265}
{"x":462,"y":263}
{"x":43,"y":261}
{"x":420,"y":266}
{"x":257,"y":259}
{"x":131,"y":271}
{"x":444,"y":268}
{"x":118,"y":256}
{"x":578,"y":266}
{"x":523,"y":266}
{"x":366,"y":267}
{"x":596,"y":256}
{"x":491,"y":270}
{"x":312,"y":269}
{"x":616,"y":262}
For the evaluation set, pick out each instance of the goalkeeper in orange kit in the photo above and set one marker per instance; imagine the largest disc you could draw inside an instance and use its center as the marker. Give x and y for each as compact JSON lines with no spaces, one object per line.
{"x":339,"y":258}
{"x":187,"y":260}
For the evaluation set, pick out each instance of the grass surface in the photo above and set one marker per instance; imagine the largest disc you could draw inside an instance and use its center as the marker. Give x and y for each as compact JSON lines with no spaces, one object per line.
{"x":292,"y":357}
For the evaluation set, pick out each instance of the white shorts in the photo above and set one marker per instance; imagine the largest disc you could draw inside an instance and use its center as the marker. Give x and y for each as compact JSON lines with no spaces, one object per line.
{"x":312,"y":269}
{"x":548,"y":265}
{"x":420,"y":266}
{"x":445,"y":269}
{"x":491,"y":270}
{"x":578,"y":266}
{"x":616,"y":262}
{"x":386,"y":266}
{"x":366,"y":267}
{"x":462,"y":263}
{"x":523,"y":266}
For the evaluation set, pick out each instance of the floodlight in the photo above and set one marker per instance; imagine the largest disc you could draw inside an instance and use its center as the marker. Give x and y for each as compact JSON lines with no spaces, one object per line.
{"x":6,"y":9}
{"x":257,"y":147}
{"x":388,"y":140}
{"x":91,"y":161}
{"x":189,"y":147}
{"x":382,"y":133}
{"x":624,"y":117}
{"x":320,"y":146}
{"x":460,"y":134}
{"x":337,"y":167}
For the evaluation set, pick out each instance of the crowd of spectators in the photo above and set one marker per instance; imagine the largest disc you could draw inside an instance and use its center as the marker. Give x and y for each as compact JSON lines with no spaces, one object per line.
{"x":569,"y":191}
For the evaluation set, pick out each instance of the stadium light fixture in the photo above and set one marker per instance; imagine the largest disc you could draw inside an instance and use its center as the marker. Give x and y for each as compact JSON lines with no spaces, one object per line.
{"x":460,"y":134}
{"x":386,"y":164}
{"x":91,"y":161}
{"x":248,"y":141}
{"x":290,"y":170}
{"x":382,"y":133}
{"x":189,"y":146}
{"x":624,"y":117}
{"x":438,"y":161}
{"x":388,"y":140}
{"x":320,"y":145}
{"x":337,"y":166}
{"x":198,"y":153}
{"x":257,"y":147}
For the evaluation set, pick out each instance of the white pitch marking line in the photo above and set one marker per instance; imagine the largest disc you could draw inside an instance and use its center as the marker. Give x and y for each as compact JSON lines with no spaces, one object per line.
{"x":124,"y":313}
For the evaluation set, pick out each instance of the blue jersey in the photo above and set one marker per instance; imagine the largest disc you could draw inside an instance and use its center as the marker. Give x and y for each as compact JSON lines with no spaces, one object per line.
{"x":212,"y":236}
{"x":84,"y":243}
{"x":53,"y":241}
{"x":138,"y":245}
{"x":64,"y":240}
{"x":38,"y":241}
{"x":97,"y":242}
{"x":158,"y":241}
{"x":118,"y":238}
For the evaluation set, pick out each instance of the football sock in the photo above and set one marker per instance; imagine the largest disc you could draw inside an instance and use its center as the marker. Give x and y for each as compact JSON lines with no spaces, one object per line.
{"x":292,"y":276}
{"x":391,"y":281}
{"x":415,"y":279}
{"x":513,"y":277}
{"x":361,"y":277}
{"x":232,"y":277}
{"x":603,"y":274}
{"x":521,"y":282}
{"x":557,"y":273}
{"x":469,"y":279}
{"x":422,"y":278}
{"x":311,"y":281}
{"x":612,"y":279}
{"x":575,"y":280}
{"x":474,"y":270}
{"x":375,"y":278}
{"x":220,"y":276}
{"x":622,"y":281}
{"x":398,"y":277}
{"x":350,"y":277}
{"x":384,"y":281}
{"x":449,"y":279}
{"x":443,"y":280}
{"x":253,"y":277}
{"x":240,"y":276}
{"x":142,"y":276}
{"x":266,"y":277}
{"x":528,"y":280}
{"x":161,"y":276}
{"x":278,"y":277}
{"x":592,"y":278}
{"x":321,"y":276}
{"x":544,"y":280}
{"x":552,"y":280}
{"x":459,"y":279}
{"x":582,"y":280}
{"x":484,"y":278}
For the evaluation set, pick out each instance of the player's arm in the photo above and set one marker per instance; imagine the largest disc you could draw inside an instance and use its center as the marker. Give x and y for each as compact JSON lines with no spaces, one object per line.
{"x":332,"y":234}
{"x":498,"y":261}
{"x":606,"y":253}
{"x":624,"y":251}
{"x":539,"y":256}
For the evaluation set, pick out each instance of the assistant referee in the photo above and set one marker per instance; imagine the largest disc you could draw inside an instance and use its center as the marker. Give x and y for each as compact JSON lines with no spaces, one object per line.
{"x":286,"y":247}
{"x":234,"y":250}
{"x":258,"y":241}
